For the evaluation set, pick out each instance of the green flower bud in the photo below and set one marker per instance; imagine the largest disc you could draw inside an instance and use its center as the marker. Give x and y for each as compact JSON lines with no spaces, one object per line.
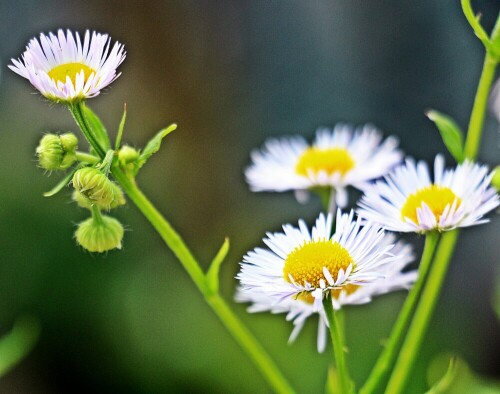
{"x":100,"y":235}
{"x":128,"y":158}
{"x":495,"y":181}
{"x":97,"y":188}
{"x":57,"y":152}
{"x":84,"y":202}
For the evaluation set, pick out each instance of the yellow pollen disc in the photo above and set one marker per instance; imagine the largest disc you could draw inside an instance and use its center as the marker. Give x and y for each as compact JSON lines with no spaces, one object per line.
{"x":305,"y":263}
{"x":436,"y":197}
{"x":309,"y":299}
{"x":59,"y":73}
{"x":324,"y":160}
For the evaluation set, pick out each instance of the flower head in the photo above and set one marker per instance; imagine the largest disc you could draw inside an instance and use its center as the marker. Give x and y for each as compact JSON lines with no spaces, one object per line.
{"x":64,"y":69}
{"x":408,"y":201}
{"x":99,"y":235}
{"x":337,"y":158}
{"x":57,"y":152}
{"x":301,"y":267}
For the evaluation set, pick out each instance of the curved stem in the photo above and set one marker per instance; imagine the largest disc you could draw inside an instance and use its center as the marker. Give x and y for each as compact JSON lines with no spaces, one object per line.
{"x":423,"y":314}
{"x":87,"y":157}
{"x":237,"y":329}
{"x":337,"y":335}
{"x":386,"y":358}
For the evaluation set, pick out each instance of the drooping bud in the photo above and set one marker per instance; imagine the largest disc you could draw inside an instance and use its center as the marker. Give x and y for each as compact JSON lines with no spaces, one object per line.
{"x":128,"y":158}
{"x":100,"y":234}
{"x":57,"y":152}
{"x":95,"y":186}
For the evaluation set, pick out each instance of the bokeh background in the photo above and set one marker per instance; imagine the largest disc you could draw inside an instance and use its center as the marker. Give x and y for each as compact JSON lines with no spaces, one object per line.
{"x":231,"y":74}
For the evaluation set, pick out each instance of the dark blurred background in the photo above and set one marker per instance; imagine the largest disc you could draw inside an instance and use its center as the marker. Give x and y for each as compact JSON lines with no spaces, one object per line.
{"x":231,"y":74}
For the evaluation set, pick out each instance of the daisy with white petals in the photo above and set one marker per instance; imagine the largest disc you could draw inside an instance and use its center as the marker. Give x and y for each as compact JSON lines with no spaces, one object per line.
{"x":301,"y":267}
{"x":337,"y":158}
{"x":408,"y":201}
{"x":65,"y":69}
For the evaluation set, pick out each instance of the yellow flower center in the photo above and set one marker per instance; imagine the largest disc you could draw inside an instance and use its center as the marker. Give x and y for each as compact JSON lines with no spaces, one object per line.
{"x":305,"y":263}
{"x":324,"y":160}
{"x":60,"y":72}
{"x":335,"y":293}
{"x":437,"y":198}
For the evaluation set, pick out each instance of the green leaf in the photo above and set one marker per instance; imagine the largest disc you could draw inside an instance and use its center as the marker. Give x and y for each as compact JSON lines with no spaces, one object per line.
{"x":154,"y":144}
{"x":450,"y":133}
{"x":452,"y":376}
{"x":213,"y":270}
{"x":120,"y":128}
{"x":15,"y":345}
{"x":97,"y":127}
{"x":64,"y":182}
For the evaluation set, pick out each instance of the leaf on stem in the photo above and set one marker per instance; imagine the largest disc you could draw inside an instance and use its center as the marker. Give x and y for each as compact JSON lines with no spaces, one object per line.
{"x":97,"y":127}
{"x":121,"y":127}
{"x":154,"y":144}
{"x":64,"y":182}
{"x":451,"y":375}
{"x":450,"y":133}
{"x":332,"y":382}
{"x":213,"y":270}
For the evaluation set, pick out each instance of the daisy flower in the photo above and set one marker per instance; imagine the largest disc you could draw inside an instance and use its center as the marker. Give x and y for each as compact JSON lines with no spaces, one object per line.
{"x":301,"y":267}
{"x":337,"y":158}
{"x":408,"y":201}
{"x":64,"y":69}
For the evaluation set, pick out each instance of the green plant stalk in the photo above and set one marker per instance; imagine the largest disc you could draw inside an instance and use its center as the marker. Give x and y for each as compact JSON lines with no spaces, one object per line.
{"x":18,"y":342}
{"x":238,"y":330}
{"x":423,"y":314}
{"x":476,"y":122}
{"x":87,"y":157}
{"x":337,"y":334}
{"x":76,"y":110}
{"x":386,"y":358}
{"x":437,"y":275}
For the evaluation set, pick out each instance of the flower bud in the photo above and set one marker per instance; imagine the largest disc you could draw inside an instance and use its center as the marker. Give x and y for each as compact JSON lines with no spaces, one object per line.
{"x":84,"y":202}
{"x":95,"y":186}
{"x":57,"y":152}
{"x":100,"y":235}
{"x":128,"y":158}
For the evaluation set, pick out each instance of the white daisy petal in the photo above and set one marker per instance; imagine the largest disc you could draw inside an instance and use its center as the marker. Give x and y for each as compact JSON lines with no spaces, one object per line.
{"x":356,"y":263}
{"x":408,"y":201}
{"x":64,"y":71}
{"x":337,"y":158}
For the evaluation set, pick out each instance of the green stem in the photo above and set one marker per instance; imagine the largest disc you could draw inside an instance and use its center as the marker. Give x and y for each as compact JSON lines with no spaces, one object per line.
{"x":479,"y":109}
{"x":423,"y":314}
{"x":16,"y":344}
{"x":337,"y":335}
{"x":386,"y":358}
{"x":237,"y":329}
{"x":96,"y":214}
{"x":76,"y":110}
{"x":87,"y":157}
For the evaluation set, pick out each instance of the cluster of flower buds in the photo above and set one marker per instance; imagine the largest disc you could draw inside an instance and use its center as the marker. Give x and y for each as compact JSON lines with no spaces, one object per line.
{"x":57,"y":152}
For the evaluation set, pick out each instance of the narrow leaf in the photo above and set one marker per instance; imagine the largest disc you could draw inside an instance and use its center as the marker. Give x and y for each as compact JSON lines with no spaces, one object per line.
{"x":154,"y":144}
{"x":450,"y":133}
{"x":64,"y":182}
{"x":213,"y":270}
{"x":97,"y":127}
{"x":120,"y":128}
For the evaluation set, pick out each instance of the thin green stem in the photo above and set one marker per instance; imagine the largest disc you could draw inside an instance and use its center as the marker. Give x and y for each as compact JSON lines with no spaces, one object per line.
{"x":474,"y":22}
{"x":87,"y":157}
{"x":386,"y":358}
{"x":237,"y":329}
{"x":76,"y":110}
{"x":96,"y":214}
{"x":337,"y":335}
{"x":476,"y":122}
{"x":423,"y":314}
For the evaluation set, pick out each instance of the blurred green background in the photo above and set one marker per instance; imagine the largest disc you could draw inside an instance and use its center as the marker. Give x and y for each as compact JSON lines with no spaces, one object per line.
{"x":231,"y":74}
